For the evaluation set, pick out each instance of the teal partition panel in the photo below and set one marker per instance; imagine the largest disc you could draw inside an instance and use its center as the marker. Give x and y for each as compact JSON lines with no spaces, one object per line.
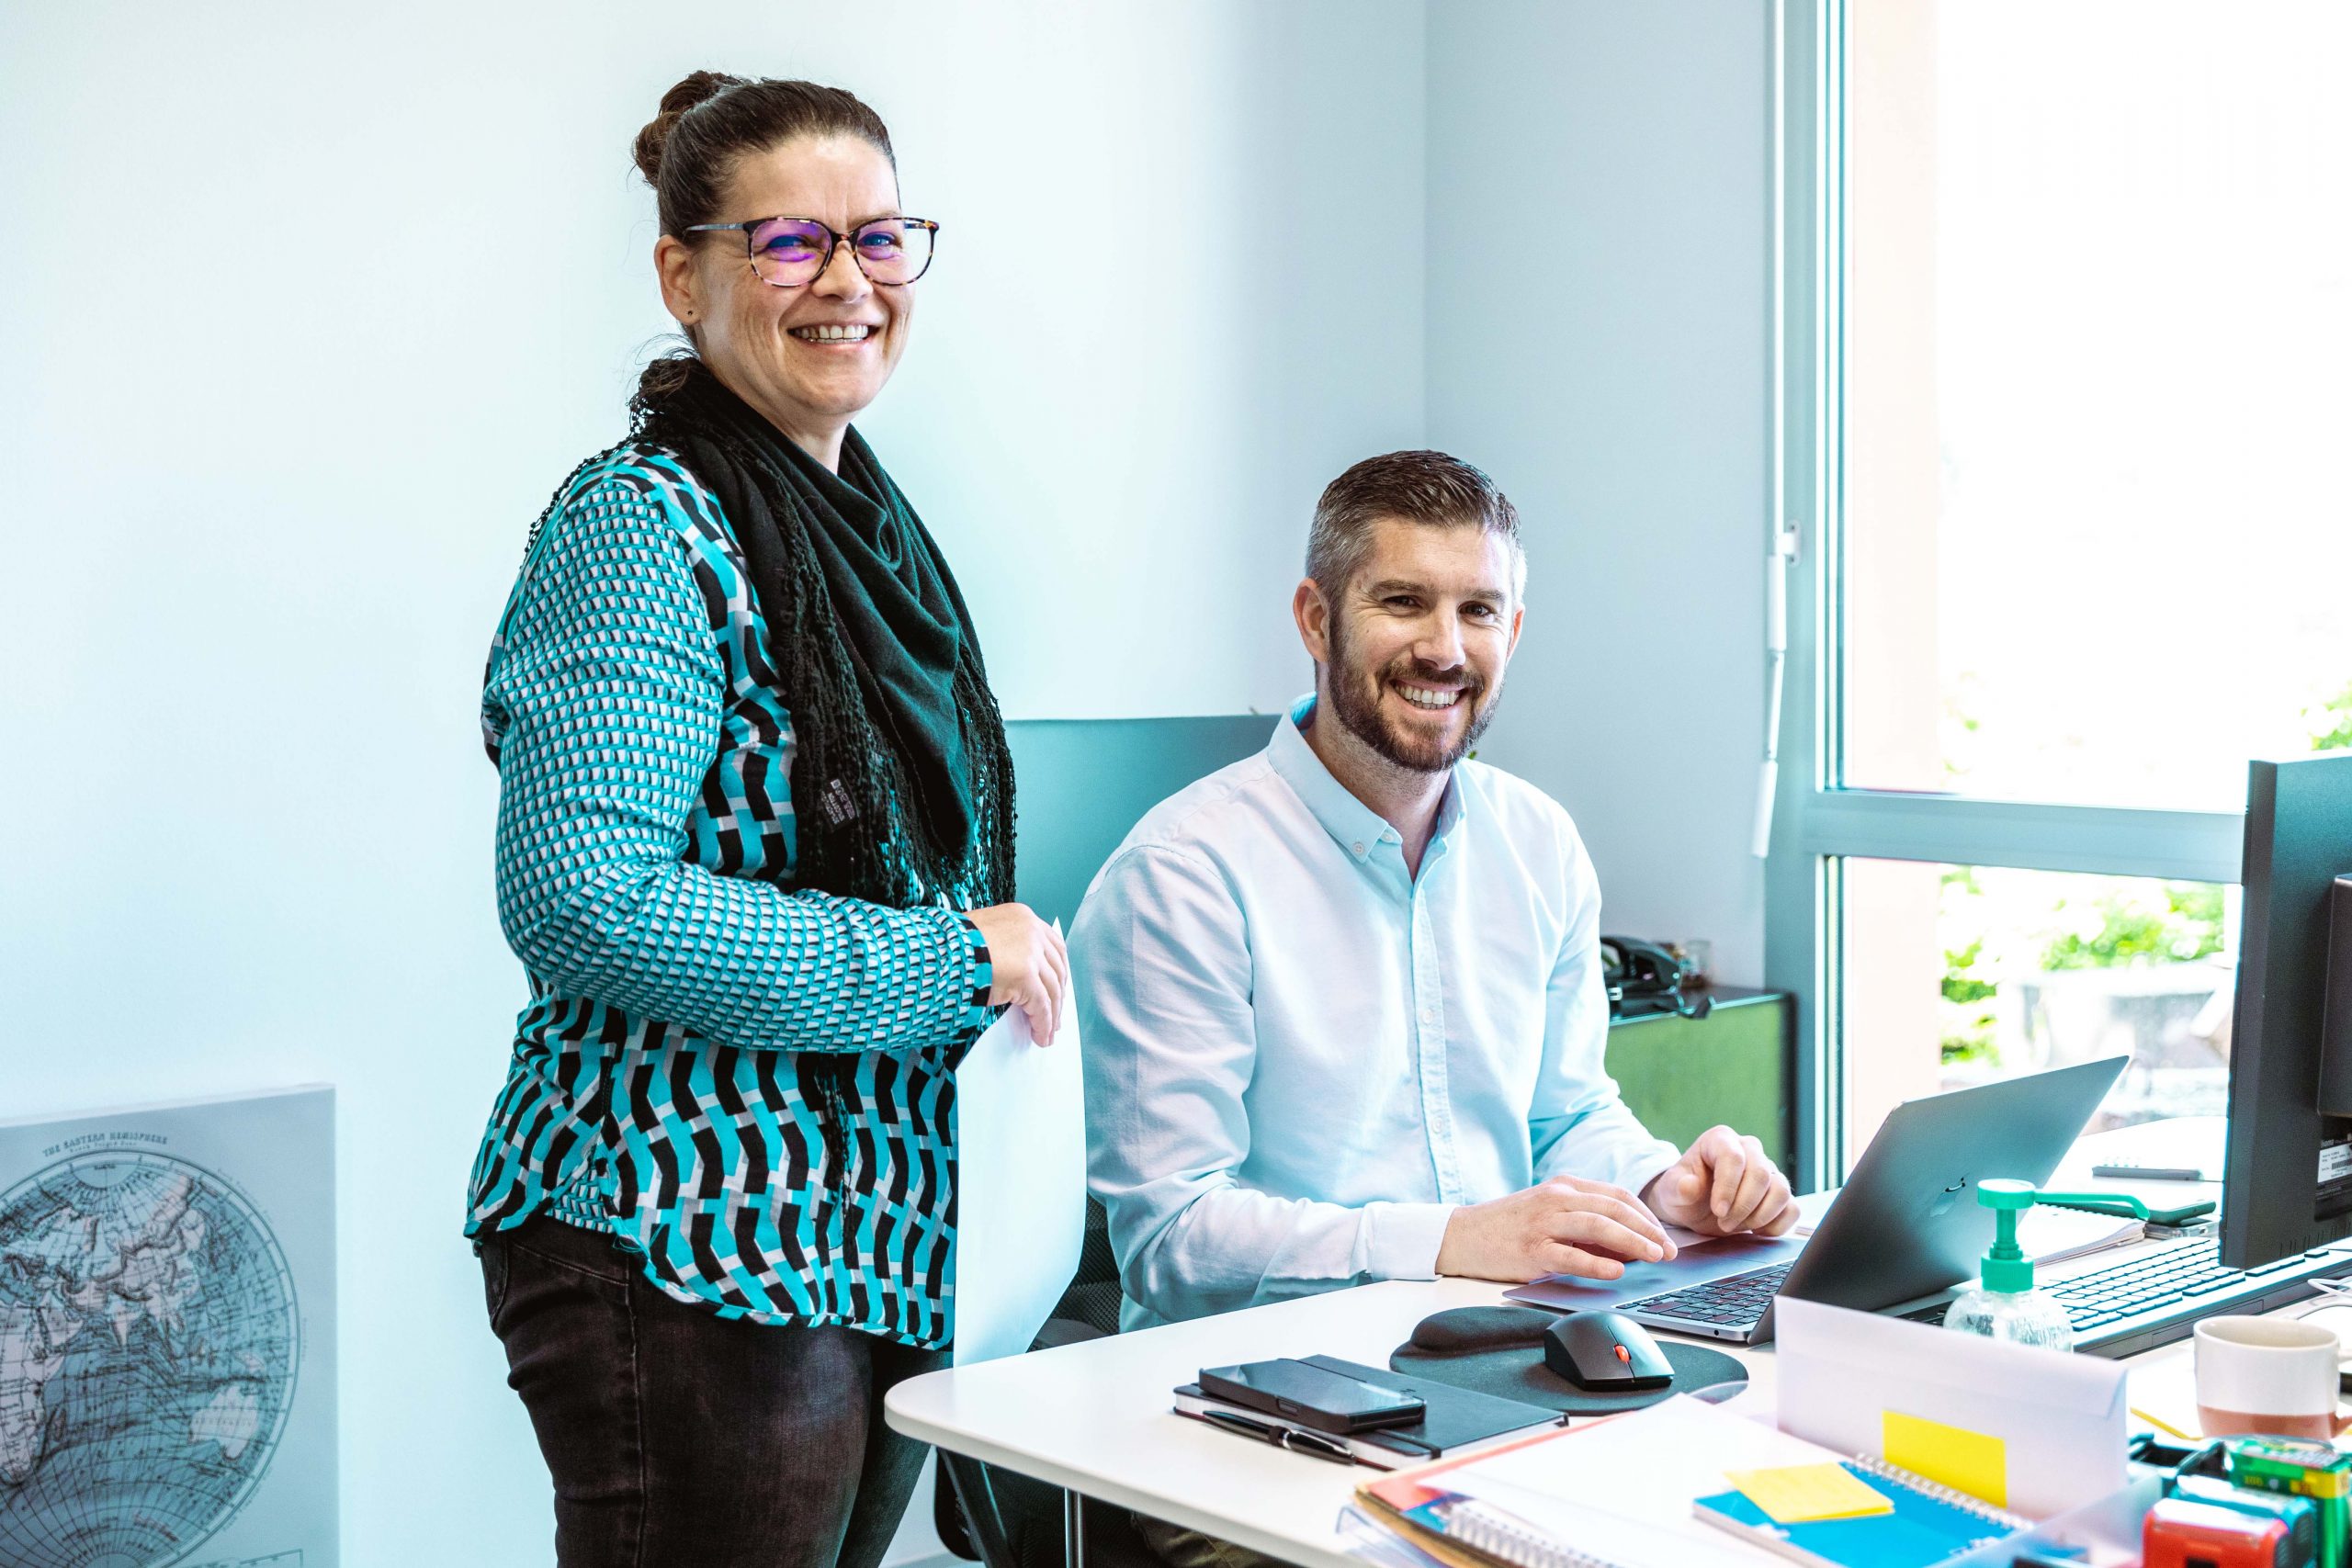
{"x":1081,"y":782}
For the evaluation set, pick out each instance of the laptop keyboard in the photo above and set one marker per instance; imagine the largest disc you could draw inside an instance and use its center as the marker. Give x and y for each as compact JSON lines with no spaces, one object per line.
{"x":1732,"y":1301}
{"x":2178,"y":1274}
{"x":2181,"y":1273}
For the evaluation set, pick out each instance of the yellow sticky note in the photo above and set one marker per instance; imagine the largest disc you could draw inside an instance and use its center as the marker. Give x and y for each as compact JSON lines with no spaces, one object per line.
{"x":1796,"y":1493}
{"x":1965,"y":1460}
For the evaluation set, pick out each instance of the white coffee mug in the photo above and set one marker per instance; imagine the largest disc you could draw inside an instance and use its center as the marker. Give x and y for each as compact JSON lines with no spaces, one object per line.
{"x":2267,"y":1374}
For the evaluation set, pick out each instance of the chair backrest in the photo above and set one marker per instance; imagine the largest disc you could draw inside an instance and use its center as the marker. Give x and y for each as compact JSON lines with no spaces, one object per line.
{"x":1080,"y":785}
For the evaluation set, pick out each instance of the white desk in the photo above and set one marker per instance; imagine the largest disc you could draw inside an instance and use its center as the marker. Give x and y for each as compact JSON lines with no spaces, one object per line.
{"x":1094,"y":1418}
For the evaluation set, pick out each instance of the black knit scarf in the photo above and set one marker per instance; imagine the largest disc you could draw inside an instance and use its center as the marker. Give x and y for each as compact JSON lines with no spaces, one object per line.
{"x":901,"y":785}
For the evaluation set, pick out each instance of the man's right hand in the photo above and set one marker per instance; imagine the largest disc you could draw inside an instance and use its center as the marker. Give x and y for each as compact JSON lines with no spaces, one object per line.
{"x":1028,"y":966}
{"x":1565,"y":1225}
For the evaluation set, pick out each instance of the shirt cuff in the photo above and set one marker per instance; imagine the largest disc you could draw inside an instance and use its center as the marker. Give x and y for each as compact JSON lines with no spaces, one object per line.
{"x":1401,"y":1240}
{"x":980,"y":978}
{"x":1641,"y":1172}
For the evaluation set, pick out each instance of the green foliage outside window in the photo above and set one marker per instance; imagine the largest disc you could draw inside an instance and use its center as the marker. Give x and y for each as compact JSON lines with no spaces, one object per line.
{"x":2066,"y":922}
{"x":2084,"y":922}
{"x":2171,"y":922}
{"x":1967,"y":1010}
{"x":2331,"y":722}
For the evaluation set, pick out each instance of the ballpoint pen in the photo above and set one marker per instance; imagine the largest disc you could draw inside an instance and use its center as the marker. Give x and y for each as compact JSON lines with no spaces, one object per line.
{"x":1288,"y":1437}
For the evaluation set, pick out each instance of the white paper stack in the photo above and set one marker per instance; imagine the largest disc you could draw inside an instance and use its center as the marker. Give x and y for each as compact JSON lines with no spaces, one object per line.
{"x":1019,"y":1183}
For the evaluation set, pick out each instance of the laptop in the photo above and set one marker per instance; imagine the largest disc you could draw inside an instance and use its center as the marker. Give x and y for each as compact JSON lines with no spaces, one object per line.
{"x":1907,"y":1231}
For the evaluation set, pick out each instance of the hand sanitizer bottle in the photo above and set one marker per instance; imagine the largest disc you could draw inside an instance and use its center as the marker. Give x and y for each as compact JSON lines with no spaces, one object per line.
{"x":2005,"y":1305}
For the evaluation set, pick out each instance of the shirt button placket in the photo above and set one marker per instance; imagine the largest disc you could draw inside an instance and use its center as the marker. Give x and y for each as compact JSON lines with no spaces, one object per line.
{"x":1428,"y":1028}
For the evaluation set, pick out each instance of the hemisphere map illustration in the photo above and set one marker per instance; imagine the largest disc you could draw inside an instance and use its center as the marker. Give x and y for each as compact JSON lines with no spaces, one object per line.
{"x":150,"y":1346}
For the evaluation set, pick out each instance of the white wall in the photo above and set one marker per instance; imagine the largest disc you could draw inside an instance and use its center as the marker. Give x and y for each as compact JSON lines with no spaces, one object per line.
{"x":1599,"y":340}
{"x":306,"y":309}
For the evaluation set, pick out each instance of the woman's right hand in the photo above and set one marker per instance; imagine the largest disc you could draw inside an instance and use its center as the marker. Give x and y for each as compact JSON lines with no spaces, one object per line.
{"x":1029,"y":962}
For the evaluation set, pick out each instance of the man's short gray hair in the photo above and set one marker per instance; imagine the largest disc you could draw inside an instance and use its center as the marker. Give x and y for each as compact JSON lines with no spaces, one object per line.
{"x":1427,"y":488}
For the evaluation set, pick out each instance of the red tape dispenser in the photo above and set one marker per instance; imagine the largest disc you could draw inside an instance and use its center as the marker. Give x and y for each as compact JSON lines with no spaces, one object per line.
{"x":2179,"y":1533}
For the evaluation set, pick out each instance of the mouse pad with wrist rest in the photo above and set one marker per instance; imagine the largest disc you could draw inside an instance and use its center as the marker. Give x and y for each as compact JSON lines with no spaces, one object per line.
{"x":1499,"y":1350}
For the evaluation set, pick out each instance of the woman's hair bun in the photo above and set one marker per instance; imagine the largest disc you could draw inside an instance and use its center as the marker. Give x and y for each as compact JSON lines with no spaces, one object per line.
{"x":688,"y":151}
{"x":697,"y":88}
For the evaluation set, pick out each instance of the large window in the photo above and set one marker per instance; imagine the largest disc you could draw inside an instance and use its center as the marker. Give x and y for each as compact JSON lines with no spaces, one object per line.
{"x":2066,"y":394}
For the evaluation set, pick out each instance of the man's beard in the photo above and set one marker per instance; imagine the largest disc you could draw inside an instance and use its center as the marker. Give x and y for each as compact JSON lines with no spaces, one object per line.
{"x":1358,"y":710}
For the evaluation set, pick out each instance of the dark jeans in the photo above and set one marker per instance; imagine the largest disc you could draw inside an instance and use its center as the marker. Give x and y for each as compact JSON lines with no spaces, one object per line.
{"x":675,"y":1438}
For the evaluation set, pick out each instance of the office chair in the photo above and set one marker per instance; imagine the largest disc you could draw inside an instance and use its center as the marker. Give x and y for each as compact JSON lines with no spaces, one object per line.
{"x":987,"y":1514}
{"x":1080,"y":785}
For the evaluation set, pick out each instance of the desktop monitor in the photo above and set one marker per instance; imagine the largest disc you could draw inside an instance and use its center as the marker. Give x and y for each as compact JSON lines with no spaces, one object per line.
{"x":2288,"y":1183}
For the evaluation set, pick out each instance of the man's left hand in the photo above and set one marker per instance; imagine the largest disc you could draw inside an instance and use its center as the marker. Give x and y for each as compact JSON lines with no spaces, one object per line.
{"x":1723,"y":1184}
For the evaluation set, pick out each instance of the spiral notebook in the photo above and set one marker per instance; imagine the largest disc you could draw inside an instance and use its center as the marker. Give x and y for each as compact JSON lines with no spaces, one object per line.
{"x":1651,"y":1490}
{"x":1928,"y":1523}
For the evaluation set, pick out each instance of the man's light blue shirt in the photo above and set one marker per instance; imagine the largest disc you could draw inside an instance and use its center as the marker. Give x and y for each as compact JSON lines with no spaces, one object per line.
{"x":1300,"y":1058}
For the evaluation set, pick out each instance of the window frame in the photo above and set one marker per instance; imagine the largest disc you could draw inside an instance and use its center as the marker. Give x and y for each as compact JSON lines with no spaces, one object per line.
{"x":1818,"y":822}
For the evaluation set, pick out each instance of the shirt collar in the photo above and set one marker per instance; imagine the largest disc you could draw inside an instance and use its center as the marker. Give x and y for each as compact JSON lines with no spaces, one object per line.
{"x":1355,"y":826}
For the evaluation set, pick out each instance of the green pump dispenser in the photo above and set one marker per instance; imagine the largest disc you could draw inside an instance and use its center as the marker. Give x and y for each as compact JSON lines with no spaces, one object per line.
{"x":2005,"y":1266}
{"x":2006,"y":1305}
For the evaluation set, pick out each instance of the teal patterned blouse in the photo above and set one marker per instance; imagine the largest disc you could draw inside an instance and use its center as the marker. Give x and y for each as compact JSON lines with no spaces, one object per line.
{"x":749,"y":1085}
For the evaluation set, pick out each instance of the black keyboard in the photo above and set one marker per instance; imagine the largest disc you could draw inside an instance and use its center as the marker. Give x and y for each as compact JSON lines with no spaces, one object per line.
{"x":2181,"y":1275}
{"x":1733,"y":1301}
{"x":2178,"y":1275}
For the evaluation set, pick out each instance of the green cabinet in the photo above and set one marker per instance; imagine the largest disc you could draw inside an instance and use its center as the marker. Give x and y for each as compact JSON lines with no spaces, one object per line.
{"x":1681,"y":1075}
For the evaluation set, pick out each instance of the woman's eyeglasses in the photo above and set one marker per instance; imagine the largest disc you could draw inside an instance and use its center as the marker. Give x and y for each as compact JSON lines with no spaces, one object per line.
{"x":792,"y":252}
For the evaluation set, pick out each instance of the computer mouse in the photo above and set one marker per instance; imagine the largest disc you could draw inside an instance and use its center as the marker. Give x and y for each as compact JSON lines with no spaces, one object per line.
{"x":1606,"y":1352}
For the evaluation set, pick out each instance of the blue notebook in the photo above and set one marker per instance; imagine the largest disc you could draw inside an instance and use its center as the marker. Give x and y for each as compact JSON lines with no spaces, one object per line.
{"x":1929,"y":1524}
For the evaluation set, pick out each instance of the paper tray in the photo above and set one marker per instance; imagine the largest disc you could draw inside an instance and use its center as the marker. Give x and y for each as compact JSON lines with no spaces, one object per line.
{"x":2106,"y":1531}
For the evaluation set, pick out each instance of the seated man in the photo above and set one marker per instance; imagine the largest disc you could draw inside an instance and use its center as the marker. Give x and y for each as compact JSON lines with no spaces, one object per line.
{"x":1343,"y":1001}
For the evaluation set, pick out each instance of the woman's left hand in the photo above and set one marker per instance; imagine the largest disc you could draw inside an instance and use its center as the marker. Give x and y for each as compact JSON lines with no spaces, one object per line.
{"x":1029,"y":963}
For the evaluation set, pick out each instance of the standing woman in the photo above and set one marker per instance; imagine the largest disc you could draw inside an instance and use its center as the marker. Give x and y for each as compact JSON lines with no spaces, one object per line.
{"x":751,"y":778}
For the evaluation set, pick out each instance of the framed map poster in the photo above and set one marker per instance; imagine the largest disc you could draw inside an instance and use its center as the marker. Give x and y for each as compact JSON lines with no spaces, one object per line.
{"x":168,"y":1392}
